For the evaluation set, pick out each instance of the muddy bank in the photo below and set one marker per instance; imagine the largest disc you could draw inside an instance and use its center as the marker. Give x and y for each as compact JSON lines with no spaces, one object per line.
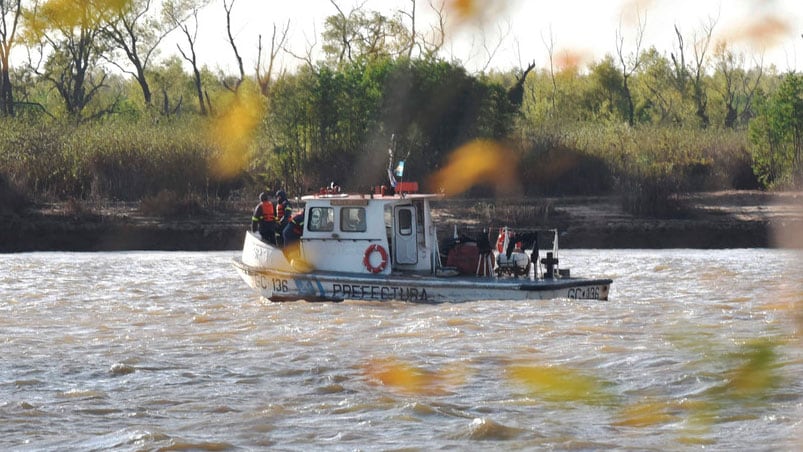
{"x":709,"y":220}
{"x":52,"y":233}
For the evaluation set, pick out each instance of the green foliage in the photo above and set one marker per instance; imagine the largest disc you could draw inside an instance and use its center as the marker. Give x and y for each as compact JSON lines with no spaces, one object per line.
{"x":106,"y":160}
{"x":553,"y":162}
{"x":776,"y":134}
{"x":325,"y":123}
{"x":604,"y":100}
{"x":648,"y":166}
{"x":363,"y":35}
{"x":574,"y":132}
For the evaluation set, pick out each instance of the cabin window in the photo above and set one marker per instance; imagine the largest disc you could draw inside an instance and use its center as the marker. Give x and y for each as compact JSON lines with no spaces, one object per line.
{"x":352,"y":219}
{"x":405,"y":222}
{"x":321,"y":219}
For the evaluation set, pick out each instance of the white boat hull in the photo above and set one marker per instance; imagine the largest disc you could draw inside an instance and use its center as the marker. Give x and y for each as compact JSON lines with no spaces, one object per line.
{"x":277,"y":285}
{"x":381,"y":248}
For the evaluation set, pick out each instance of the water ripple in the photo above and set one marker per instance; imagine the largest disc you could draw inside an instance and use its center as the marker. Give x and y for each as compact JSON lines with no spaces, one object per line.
{"x":171,"y":351}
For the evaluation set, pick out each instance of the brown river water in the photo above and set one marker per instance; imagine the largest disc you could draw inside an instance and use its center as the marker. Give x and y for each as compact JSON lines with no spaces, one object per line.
{"x":171,"y":351}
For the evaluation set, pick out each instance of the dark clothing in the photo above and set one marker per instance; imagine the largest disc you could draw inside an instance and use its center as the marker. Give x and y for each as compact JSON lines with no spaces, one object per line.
{"x":291,"y":236}
{"x":282,"y":212}
{"x":263,"y":220}
{"x":282,"y":217}
{"x":293,"y":230}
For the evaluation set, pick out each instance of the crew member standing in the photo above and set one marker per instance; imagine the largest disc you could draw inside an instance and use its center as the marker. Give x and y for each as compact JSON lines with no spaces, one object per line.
{"x":264,"y":219}
{"x":291,"y":235}
{"x":282,"y":213}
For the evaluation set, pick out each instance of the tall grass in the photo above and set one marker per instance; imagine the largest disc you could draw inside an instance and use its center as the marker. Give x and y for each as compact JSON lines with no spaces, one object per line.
{"x":175,"y":159}
{"x":647,"y":166}
{"x":123,"y":161}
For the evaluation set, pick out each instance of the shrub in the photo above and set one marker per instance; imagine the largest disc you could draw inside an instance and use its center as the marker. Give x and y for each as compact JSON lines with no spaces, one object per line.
{"x":11,"y":200}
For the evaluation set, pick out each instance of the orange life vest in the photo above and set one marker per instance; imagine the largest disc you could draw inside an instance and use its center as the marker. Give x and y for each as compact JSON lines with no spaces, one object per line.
{"x":279,"y":211}
{"x":267,"y":211}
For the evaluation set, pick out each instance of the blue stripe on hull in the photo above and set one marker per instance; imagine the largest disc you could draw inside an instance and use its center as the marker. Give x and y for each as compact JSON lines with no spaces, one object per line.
{"x":331,"y":286}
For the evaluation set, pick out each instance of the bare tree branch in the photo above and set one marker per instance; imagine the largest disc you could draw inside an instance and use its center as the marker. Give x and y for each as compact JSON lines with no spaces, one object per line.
{"x":550,"y":47}
{"x":434,"y":44}
{"x":491,"y":51}
{"x":412,"y":44}
{"x":276,"y":45}
{"x":228,"y":7}
{"x":309,"y":51}
{"x":134,"y":32}
{"x":630,"y":62}
{"x":190,"y":56}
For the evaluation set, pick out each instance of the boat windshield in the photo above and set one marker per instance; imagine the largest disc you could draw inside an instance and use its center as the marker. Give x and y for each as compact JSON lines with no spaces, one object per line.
{"x":352,"y":219}
{"x":321,"y":219}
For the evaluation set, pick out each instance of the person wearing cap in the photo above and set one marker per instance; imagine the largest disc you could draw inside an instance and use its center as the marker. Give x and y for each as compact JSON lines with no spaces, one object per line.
{"x":283,"y":213}
{"x":264,"y":219}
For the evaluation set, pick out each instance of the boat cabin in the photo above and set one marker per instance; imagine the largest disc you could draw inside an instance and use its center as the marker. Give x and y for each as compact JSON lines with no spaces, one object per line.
{"x":370,"y":233}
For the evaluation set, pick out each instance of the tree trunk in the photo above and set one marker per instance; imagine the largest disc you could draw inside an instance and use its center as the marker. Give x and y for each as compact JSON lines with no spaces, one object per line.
{"x":6,"y":95}
{"x":631,"y":115}
{"x":199,"y":89}
{"x":143,"y":84}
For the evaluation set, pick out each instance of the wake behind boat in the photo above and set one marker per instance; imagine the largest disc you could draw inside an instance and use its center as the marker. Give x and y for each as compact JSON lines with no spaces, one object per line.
{"x":382,"y":247}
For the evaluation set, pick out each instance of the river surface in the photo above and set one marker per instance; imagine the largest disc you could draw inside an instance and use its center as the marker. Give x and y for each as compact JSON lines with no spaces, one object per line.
{"x":171,"y":351}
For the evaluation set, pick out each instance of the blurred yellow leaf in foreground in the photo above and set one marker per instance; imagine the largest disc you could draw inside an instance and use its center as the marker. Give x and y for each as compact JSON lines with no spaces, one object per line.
{"x":407,"y":378}
{"x":233,"y":132}
{"x":559,"y":384}
{"x":477,"y":162}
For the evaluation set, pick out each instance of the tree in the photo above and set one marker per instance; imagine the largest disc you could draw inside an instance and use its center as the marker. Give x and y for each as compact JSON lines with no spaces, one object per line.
{"x":290,"y":119}
{"x":432,"y":43}
{"x":515,"y":93}
{"x":172,"y":82}
{"x":606,"y":99}
{"x":629,"y":63}
{"x":363,"y":34}
{"x":137,"y":32}
{"x":662,"y":103}
{"x":338,"y":122}
{"x":412,"y":40}
{"x":188,"y":24}
{"x":228,"y":7}
{"x":277,"y":41}
{"x":10,"y":13}
{"x":550,"y":48}
{"x":694,"y":72}
{"x":736,"y":85}
{"x":776,"y":134}
{"x":73,"y":29}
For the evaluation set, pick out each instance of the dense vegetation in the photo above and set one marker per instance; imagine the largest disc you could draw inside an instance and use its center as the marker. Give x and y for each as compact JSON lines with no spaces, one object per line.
{"x":643,"y":125}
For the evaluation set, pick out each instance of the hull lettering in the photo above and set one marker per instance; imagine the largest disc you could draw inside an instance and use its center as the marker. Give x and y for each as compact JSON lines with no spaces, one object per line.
{"x":370,"y":292}
{"x":274,"y":285}
{"x":584,"y":292}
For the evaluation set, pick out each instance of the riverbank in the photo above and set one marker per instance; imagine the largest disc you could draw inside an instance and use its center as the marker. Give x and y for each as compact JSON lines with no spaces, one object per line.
{"x":731,"y":219}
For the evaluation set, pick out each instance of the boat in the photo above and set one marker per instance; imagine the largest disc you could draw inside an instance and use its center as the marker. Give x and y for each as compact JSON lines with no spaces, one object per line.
{"x":383,"y":246}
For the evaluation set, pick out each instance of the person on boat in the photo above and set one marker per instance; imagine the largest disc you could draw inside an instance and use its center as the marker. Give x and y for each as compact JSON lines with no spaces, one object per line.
{"x":263,"y":219}
{"x":291,"y":234}
{"x":283,"y":211}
